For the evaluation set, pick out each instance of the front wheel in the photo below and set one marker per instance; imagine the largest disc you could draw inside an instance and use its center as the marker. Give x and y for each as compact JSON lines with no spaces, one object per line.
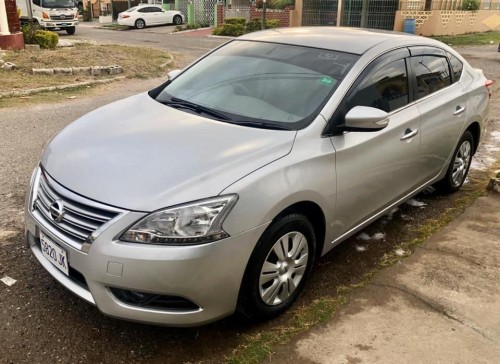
{"x":177,"y":20}
{"x":459,"y":165}
{"x":140,"y":24}
{"x":278,"y":268}
{"x":71,"y":30}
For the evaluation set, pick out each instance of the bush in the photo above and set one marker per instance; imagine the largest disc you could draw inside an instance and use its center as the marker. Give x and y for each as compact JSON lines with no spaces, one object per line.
{"x":46,"y":39}
{"x":273,"y":23}
{"x":253,"y":25}
{"x":275,"y":4}
{"x":233,"y":30}
{"x":29,"y":30}
{"x":235,"y":21}
{"x":86,"y":14}
{"x":470,"y":5}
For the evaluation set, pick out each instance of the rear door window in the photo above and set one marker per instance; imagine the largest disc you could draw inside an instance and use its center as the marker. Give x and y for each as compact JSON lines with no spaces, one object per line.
{"x":432,"y":73}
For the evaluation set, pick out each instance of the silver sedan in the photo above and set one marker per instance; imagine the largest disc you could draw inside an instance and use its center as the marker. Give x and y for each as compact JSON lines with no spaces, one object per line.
{"x":218,"y":190}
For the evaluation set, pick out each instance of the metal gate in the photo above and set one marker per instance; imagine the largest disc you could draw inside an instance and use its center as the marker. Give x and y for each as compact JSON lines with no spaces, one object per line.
{"x":204,"y":10}
{"x":377,"y":14}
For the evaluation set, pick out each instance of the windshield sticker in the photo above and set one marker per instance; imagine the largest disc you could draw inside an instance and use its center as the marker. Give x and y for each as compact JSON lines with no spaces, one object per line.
{"x":327,"y":81}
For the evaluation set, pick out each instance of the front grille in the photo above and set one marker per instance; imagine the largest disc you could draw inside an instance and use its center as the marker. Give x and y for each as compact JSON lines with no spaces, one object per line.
{"x":61,"y":17}
{"x":78,"y":220}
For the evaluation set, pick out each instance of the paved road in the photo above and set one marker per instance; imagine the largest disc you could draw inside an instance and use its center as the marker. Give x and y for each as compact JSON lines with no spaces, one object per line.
{"x":158,"y":37}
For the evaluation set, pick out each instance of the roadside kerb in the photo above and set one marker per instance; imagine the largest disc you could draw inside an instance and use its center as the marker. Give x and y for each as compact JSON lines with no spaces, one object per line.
{"x":60,"y":87}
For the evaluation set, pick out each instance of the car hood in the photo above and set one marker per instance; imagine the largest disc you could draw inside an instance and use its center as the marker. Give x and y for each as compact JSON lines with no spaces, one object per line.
{"x":141,"y":155}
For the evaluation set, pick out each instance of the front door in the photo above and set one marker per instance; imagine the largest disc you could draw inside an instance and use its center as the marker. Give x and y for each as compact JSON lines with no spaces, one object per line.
{"x":375,"y":169}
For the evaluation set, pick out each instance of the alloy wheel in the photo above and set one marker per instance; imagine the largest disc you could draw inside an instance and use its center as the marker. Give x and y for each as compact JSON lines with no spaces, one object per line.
{"x":461,"y":163}
{"x":283,"y":268}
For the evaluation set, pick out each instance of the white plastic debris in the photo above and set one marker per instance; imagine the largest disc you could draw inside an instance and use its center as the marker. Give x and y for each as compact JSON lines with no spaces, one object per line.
{"x":378,"y":236}
{"x":400,"y":252}
{"x":360,"y":248}
{"x":8,"y":281}
{"x":415,"y":203}
{"x":363,"y":236}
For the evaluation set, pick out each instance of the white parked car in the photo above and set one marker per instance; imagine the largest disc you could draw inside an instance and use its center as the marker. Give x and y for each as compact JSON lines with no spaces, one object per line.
{"x":142,"y":16}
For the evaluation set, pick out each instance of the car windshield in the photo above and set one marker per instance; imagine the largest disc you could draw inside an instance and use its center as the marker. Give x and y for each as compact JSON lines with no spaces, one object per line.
{"x":270,"y":83}
{"x":64,"y":4}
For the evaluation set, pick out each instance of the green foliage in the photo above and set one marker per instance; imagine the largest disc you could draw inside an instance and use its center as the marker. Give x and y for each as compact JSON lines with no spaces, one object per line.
{"x":29,"y":30}
{"x":46,"y":39}
{"x":233,"y":30}
{"x":253,"y":25}
{"x":276,"y":4}
{"x":470,"y":5}
{"x":235,"y":21}
{"x":273,"y":23}
{"x":86,"y":14}
{"x":235,"y":27}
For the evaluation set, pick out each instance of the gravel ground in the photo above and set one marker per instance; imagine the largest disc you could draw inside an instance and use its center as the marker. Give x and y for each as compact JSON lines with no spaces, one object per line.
{"x":42,"y":322}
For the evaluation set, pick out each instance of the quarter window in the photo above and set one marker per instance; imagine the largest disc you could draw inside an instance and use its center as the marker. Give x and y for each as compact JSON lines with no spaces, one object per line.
{"x":385,"y":88}
{"x":456,"y":67}
{"x":432,"y":74}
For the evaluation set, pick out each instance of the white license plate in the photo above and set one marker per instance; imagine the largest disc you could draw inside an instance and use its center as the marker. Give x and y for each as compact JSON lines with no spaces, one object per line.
{"x":54,"y":253}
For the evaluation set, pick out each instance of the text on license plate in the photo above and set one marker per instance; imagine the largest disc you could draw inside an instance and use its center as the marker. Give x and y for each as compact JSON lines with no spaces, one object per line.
{"x":54,"y":253}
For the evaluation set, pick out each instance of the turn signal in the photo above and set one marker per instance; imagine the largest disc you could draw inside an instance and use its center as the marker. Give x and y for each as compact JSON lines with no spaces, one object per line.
{"x":45,"y":15}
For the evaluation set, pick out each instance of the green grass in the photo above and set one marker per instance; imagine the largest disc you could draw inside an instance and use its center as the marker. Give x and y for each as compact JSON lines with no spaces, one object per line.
{"x":470,"y":39}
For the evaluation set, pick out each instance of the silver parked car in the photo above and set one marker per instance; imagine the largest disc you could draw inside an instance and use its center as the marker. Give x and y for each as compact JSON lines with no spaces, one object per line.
{"x":219,"y":189}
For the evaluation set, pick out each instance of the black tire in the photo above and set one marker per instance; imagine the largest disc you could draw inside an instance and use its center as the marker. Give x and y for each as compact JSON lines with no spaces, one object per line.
{"x":250,"y":301}
{"x":71,"y":30}
{"x":177,"y":20}
{"x":453,"y":181}
{"x":140,"y":24}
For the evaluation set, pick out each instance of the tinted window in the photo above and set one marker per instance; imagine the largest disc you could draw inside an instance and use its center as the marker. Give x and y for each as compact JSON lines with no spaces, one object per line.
{"x":432,"y":74}
{"x":154,"y":10}
{"x":143,"y":10}
{"x":385,"y":88}
{"x":456,"y":67}
{"x":36,"y":2}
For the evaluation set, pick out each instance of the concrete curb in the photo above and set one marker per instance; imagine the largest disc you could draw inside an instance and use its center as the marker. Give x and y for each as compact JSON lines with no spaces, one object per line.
{"x":60,"y":87}
{"x":94,"y":70}
{"x":189,"y":30}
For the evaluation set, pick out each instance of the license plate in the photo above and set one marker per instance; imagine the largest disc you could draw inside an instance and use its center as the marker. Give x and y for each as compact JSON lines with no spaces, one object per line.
{"x":54,"y":253}
{"x":63,"y":24}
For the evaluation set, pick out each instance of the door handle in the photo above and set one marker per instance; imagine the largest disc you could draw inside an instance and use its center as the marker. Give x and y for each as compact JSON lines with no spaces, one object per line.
{"x":459,"y":110}
{"x":409,"y":134}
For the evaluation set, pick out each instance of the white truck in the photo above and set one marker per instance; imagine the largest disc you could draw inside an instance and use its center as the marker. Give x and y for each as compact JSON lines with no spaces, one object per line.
{"x":50,"y":14}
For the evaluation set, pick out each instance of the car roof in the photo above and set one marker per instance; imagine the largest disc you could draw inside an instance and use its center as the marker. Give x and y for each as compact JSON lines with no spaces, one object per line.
{"x":350,"y":40}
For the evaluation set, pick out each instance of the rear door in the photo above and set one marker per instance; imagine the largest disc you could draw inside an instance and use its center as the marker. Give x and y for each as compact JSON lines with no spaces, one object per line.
{"x":442,"y":103}
{"x":374,"y":169}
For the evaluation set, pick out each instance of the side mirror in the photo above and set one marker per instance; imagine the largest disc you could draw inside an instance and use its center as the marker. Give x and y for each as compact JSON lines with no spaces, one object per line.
{"x":173,"y":74}
{"x":364,"y":118}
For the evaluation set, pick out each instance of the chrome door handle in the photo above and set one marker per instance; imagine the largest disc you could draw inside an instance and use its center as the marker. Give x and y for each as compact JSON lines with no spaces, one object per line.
{"x":409,"y":134}
{"x":459,"y":110}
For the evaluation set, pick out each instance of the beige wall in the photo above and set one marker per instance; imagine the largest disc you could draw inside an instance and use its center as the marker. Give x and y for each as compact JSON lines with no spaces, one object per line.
{"x":449,"y":22}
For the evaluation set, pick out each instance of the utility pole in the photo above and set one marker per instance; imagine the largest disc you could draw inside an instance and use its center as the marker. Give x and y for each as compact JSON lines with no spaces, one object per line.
{"x":4,"y":24}
{"x":263,"y":14}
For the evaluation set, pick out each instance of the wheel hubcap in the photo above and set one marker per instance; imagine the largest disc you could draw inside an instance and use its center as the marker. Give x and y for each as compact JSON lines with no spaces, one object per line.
{"x":283,"y":268}
{"x":461,"y":163}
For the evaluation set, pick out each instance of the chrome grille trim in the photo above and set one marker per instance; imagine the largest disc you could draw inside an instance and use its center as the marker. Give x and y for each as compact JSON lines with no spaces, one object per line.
{"x":81,"y":217}
{"x":62,"y":17}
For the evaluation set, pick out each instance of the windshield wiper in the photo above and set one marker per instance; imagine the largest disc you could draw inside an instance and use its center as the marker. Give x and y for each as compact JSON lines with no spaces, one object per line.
{"x":175,"y":102}
{"x":261,"y":124}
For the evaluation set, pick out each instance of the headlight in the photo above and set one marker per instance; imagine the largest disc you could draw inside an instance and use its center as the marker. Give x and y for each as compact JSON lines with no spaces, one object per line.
{"x":194,"y":223}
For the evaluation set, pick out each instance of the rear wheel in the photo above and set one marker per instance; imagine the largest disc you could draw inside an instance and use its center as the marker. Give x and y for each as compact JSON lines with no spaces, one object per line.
{"x":71,"y":30}
{"x":278,"y":268}
{"x":459,"y":165}
{"x":140,"y":24}
{"x":177,"y":20}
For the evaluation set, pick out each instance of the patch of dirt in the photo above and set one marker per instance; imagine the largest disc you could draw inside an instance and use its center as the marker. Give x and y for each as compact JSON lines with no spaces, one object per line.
{"x":137,"y":62}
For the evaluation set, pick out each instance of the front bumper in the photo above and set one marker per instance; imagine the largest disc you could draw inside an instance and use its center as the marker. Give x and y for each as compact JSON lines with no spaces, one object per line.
{"x":59,"y":24}
{"x":208,"y":275}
